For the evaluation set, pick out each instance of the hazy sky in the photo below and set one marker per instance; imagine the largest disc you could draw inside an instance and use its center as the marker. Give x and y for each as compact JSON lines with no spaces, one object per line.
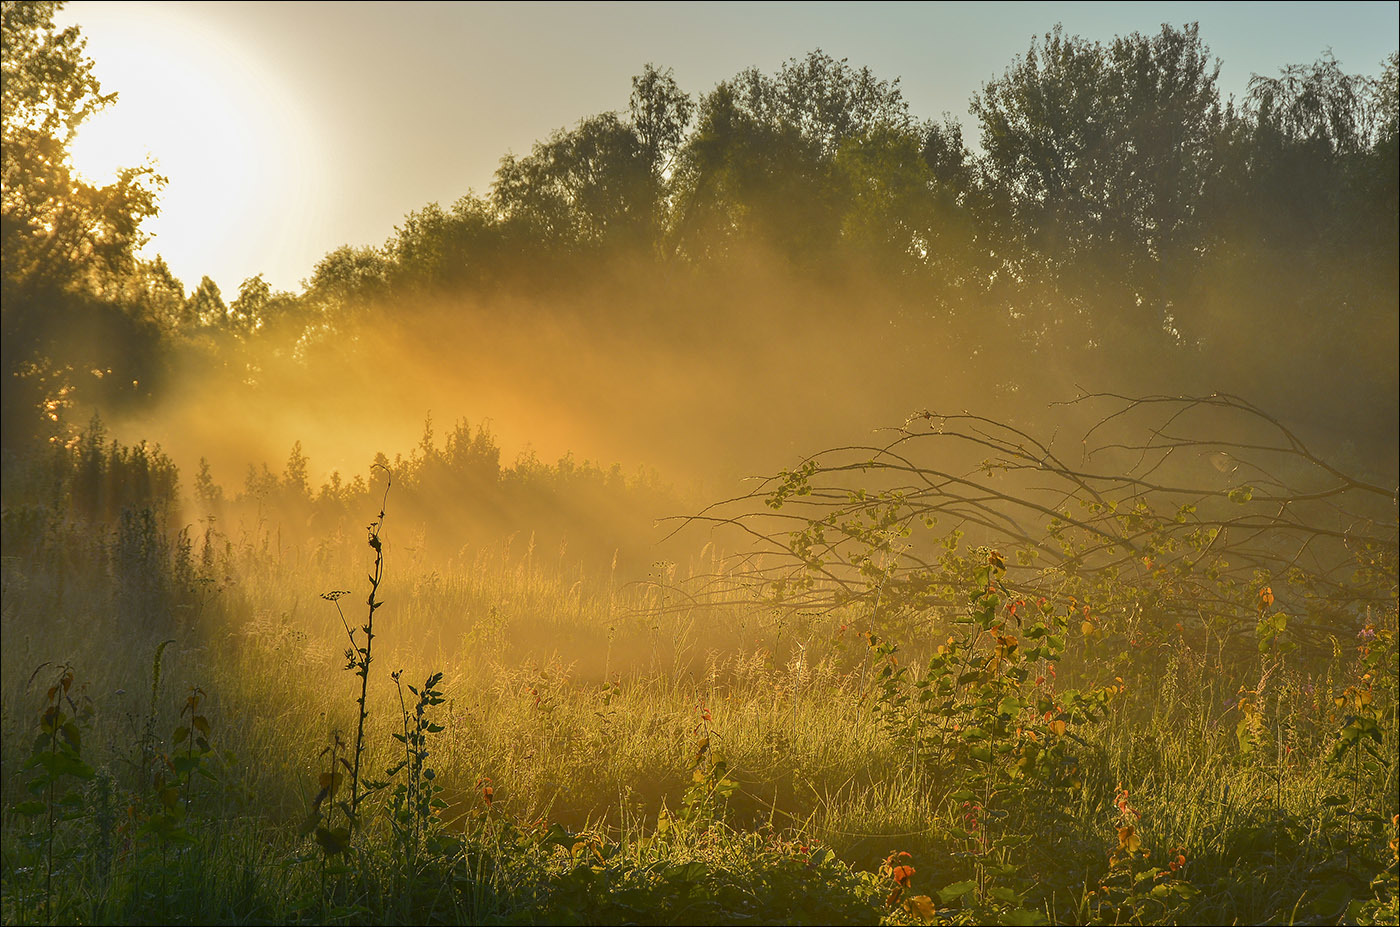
{"x":289,"y":129}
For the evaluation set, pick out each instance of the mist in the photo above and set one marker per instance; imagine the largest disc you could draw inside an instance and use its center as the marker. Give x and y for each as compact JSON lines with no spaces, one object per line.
{"x":756,"y":501}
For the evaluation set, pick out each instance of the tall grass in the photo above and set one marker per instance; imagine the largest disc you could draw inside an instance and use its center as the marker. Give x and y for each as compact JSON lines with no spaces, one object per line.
{"x":667,"y":749}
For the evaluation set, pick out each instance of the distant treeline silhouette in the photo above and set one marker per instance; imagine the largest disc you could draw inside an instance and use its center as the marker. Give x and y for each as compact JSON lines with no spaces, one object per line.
{"x":1116,"y":216}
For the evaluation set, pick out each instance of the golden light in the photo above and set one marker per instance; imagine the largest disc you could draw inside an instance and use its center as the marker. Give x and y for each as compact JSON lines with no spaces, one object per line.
{"x":239,"y":156}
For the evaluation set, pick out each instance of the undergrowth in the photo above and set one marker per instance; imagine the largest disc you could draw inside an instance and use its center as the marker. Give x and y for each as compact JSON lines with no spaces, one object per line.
{"x":1000,"y":732}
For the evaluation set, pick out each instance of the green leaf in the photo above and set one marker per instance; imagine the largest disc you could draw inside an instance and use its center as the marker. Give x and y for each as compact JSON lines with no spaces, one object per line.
{"x":333,"y":840}
{"x":185,"y":764}
{"x":65,"y":764}
{"x":950,"y":893}
{"x":690,"y":873}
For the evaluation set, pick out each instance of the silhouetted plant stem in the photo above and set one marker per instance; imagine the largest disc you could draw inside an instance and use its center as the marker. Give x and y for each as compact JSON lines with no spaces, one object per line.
{"x":362,"y":656}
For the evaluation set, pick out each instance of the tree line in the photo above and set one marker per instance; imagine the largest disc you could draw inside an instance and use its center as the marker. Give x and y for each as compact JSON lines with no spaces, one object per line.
{"x":1116,"y":213}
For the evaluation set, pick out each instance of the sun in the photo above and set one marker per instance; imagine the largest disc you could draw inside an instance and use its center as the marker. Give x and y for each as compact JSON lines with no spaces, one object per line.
{"x":209,"y":116}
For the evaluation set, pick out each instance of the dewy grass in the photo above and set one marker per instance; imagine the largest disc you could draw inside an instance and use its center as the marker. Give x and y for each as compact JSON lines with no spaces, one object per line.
{"x":577,"y":715}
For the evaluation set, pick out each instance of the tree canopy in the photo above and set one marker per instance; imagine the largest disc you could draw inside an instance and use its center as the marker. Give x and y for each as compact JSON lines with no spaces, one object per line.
{"x":1118,"y":214}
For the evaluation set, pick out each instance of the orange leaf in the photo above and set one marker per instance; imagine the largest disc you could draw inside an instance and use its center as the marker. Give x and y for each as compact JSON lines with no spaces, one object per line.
{"x":921,"y":905}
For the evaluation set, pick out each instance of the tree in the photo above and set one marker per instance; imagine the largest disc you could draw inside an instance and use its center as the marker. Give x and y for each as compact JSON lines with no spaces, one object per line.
{"x":760,"y":163}
{"x":434,"y":248}
{"x":591,"y":187}
{"x":155,"y":293}
{"x":824,"y":99}
{"x":1099,"y":157}
{"x":247,"y":313}
{"x":65,"y":244}
{"x":660,"y":113}
{"x":205,"y":308}
{"x":1303,"y":267}
{"x":59,"y":232}
{"x":347,"y":279}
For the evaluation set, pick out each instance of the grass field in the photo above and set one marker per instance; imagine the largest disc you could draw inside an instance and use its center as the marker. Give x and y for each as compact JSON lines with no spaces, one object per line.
{"x":989,"y":735}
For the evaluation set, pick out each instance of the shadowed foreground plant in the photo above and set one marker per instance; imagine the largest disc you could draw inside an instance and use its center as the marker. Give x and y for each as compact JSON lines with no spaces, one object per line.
{"x":415,"y":799}
{"x":359,"y":654}
{"x":55,"y":761}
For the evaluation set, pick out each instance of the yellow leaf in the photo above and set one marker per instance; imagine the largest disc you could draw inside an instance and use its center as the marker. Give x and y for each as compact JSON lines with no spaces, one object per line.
{"x":923,"y":906}
{"x":1057,"y":727}
{"x":1128,"y":839}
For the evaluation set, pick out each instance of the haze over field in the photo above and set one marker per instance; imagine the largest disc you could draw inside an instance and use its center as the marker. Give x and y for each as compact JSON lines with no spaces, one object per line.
{"x":478,"y":478}
{"x":591,"y":299}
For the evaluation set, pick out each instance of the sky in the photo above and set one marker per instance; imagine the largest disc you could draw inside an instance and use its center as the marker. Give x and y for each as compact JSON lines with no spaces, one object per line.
{"x":286,"y":130}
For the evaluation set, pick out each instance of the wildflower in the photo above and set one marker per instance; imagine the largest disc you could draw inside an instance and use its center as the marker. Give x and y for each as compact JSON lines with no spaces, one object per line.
{"x":1367,"y":633}
{"x":1124,"y":808}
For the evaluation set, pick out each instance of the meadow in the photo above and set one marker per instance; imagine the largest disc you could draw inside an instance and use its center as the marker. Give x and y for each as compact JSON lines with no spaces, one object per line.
{"x":1112,"y":646}
{"x":947,"y":679}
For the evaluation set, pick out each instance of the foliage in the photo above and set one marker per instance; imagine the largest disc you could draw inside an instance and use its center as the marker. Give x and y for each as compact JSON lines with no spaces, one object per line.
{"x":962,"y":676}
{"x":1117,"y":211}
{"x":65,"y":242}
